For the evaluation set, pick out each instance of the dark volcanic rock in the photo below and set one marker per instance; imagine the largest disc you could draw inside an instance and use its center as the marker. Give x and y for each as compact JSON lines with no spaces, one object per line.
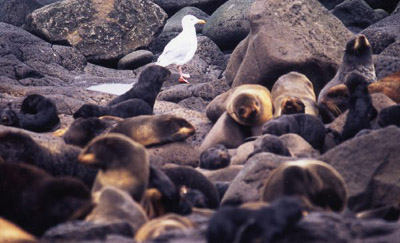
{"x":135,"y":59}
{"x":278,"y":31}
{"x":330,"y":4}
{"x":14,"y":11}
{"x":386,"y":65}
{"x":369,"y":165}
{"x":357,"y":15}
{"x":102,"y":30}
{"x":172,"y":6}
{"x":229,"y":24}
{"x":174,"y":23}
{"x":387,"y":5}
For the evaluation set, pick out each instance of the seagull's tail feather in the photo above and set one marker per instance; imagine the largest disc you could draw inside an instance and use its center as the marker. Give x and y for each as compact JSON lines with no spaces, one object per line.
{"x":163,"y":62}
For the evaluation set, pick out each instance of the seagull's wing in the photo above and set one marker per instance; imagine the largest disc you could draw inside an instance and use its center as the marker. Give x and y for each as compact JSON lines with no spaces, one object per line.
{"x":176,"y":51}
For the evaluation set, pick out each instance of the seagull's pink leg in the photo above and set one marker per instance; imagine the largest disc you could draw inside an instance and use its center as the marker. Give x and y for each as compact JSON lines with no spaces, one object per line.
{"x":182,"y":76}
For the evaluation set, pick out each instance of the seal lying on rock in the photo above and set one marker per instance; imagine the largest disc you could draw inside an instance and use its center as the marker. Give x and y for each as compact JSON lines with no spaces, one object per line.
{"x":361,"y":109}
{"x":155,"y":129}
{"x":294,"y":93}
{"x":317,"y":183}
{"x":239,"y":113}
{"x":38,"y":114}
{"x":147,"y":87}
{"x":122,"y":163}
{"x":358,"y":58}
{"x":265,"y":224}
{"x":307,"y":126}
{"x":125,"y":109}
{"x":36,"y":201}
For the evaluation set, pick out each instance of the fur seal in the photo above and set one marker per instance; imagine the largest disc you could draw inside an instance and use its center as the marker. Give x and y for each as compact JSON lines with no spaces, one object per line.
{"x":316,"y":183}
{"x":239,"y":113}
{"x":336,"y":99}
{"x":192,"y":179}
{"x":265,"y":224}
{"x":147,"y":87}
{"x":40,"y":201}
{"x":307,"y":126}
{"x":37,"y":113}
{"x":214,"y":158}
{"x":82,"y":130}
{"x":358,"y":58}
{"x":122,"y":163}
{"x":361,"y":109}
{"x":156,"y":227}
{"x":155,"y":129}
{"x":125,"y":109}
{"x":116,"y":205}
{"x":389,"y":116}
{"x":57,"y":160}
{"x":11,"y":233}
{"x":294,"y":93}
{"x":269,"y":143}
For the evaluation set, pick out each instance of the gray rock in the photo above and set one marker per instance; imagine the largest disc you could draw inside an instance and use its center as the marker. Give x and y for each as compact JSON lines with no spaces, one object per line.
{"x":135,"y":59}
{"x":226,"y":174}
{"x":104,"y":31}
{"x":279,"y":30}
{"x":174,"y":23}
{"x":357,"y":15}
{"x":369,"y":166}
{"x":229,"y":24}
{"x":242,"y":153}
{"x":14,"y":11}
{"x":194,"y":103}
{"x":172,"y":6}
{"x":179,"y":153}
{"x":86,"y":231}
{"x":388,"y":6}
{"x":386,"y":65}
{"x":330,"y":4}
{"x":247,"y":184}
{"x":298,"y":147}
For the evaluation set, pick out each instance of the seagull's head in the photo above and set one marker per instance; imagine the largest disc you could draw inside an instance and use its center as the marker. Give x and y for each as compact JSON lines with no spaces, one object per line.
{"x":190,"y":20}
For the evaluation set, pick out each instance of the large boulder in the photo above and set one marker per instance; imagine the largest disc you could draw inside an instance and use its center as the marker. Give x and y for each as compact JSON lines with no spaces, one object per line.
{"x":173,"y":6}
{"x":174,"y":23}
{"x":101,"y":30}
{"x":14,"y":11}
{"x":288,"y":36}
{"x":229,"y":24}
{"x":370,"y":167}
{"x":388,"y":5}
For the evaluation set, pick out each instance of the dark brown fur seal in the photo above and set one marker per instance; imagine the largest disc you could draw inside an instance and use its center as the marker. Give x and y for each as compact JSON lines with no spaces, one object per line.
{"x":122,"y":163}
{"x":317,"y":183}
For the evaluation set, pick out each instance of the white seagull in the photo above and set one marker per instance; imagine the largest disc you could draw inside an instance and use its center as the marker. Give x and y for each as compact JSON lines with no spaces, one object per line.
{"x":182,"y":48}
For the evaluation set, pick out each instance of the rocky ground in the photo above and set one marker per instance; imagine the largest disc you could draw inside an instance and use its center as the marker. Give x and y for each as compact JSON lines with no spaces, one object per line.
{"x":60,"y":48}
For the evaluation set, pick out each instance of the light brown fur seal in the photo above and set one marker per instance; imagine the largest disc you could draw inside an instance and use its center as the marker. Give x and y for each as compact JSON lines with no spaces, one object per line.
{"x":294,"y":93}
{"x":122,"y":163}
{"x":317,"y":183}
{"x":155,"y":129}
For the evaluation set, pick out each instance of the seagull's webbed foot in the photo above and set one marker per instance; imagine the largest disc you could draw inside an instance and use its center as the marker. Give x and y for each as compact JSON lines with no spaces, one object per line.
{"x":183,"y":76}
{"x":183,"y":80}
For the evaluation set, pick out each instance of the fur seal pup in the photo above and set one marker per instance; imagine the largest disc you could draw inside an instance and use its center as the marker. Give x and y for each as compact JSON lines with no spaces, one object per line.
{"x":215,"y":158}
{"x":389,"y":116}
{"x":361,"y":109}
{"x":125,"y":109}
{"x":336,"y":100}
{"x":57,"y":160}
{"x":115,"y":205}
{"x":265,"y":224}
{"x":82,"y":130}
{"x":147,"y":87}
{"x":122,"y":163}
{"x":316,"y":183}
{"x":155,"y":129}
{"x":307,"y":126}
{"x":294,"y":93}
{"x":39,"y":201}
{"x":357,"y":57}
{"x":159,"y":226}
{"x":192,"y":179}
{"x":240,"y":112}
{"x":38,"y":114}
{"x":269,"y":143}
{"x":11,"y":233}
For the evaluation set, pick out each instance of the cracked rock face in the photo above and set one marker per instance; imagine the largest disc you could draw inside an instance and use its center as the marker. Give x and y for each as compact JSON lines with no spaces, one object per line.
{"x":101,"y":30}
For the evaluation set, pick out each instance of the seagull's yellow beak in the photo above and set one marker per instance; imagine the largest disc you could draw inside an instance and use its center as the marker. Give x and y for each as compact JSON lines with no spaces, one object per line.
{"x":201,"y":21}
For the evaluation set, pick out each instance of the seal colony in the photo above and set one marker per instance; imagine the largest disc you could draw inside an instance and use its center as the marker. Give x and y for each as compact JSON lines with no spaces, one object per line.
{"x":107,"y":171}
